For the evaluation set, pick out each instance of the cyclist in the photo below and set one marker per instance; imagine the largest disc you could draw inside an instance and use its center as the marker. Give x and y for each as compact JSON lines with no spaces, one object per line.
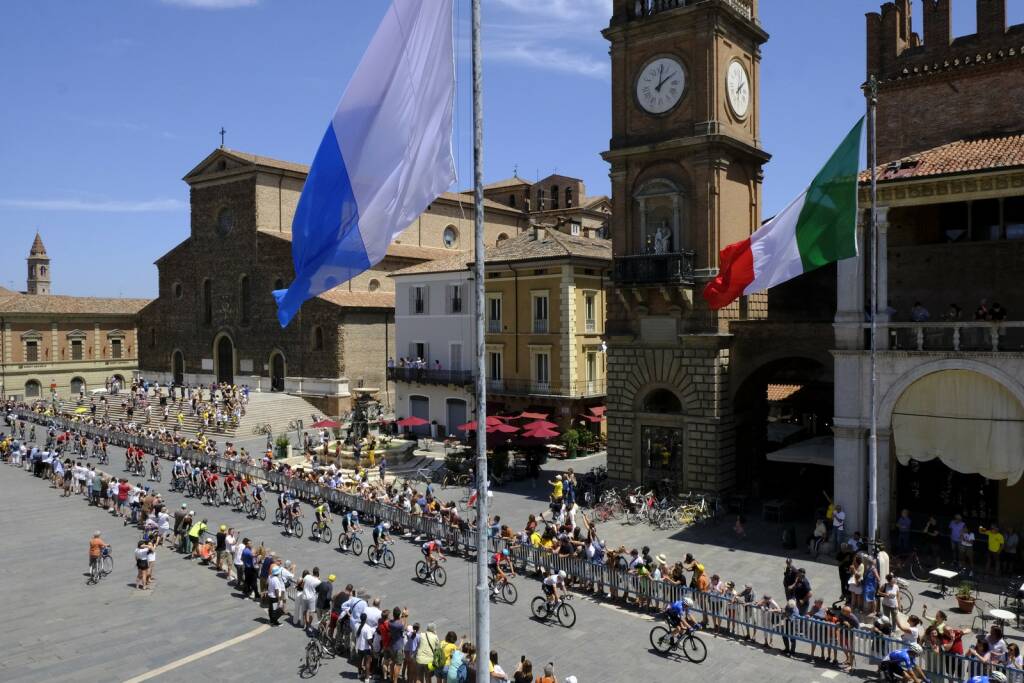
{"x":96,"y":547}
{"x":292,"y":513}
{"x":381,"y":534}
{"x":154,"y":467}
{"x":678,"y":617}
{"x":433,"y":551}
{"x":323,"y":515}
{"x":902,"y":665}
{"x":552,"y":582}
{"x":494,"y":566}
{"x":994,"y":677}
{"x":257,"y":494}
{"x":282,"y":502}
{"x":229,"y":484}
{"x":349,"y":526}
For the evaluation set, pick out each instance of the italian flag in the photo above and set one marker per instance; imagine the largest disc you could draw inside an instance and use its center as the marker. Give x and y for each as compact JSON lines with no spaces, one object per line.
{"x":818,"y":227}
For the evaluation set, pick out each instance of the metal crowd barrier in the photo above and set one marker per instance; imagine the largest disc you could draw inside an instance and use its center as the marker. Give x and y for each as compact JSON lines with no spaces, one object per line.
{"x":830,"y":638}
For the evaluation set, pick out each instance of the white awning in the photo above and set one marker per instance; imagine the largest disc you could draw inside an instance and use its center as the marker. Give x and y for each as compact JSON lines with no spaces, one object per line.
{"x":817,"y":450}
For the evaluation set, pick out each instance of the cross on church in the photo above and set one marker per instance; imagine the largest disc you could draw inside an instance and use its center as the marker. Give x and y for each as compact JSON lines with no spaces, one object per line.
{"x":222,"y":131}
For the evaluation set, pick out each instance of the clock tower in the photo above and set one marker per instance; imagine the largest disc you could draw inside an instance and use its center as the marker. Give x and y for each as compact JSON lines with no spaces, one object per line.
{"x":686,"y":170}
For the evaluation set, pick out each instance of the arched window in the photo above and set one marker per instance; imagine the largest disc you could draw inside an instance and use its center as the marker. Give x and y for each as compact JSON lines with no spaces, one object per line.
{"x":501,"y":238}
{"x":374,"y":285}
{"x":661,"y":208}
{"x":540,"y":199}
{"x":207,"y":301}
{"x":662,"y":401}
{"x":42,"y":270}
{"x":554,"y":196}
{"x":512,"y":200}
{"x":77,"y":385}
{"x":568,"y":197}
{"x":244,"y":298}
{"x":451,"y":237}
{"x":278,"y":284}
{"x":318,"y":338}
{"x":32,"y":389}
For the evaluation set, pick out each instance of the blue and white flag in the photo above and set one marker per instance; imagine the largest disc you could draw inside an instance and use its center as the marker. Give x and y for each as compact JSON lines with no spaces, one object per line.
{"x":386,"y":156}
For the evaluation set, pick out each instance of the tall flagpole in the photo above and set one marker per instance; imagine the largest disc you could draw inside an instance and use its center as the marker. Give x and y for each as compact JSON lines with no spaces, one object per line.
{"x":873,"y":437}
{"x":483,"y":603}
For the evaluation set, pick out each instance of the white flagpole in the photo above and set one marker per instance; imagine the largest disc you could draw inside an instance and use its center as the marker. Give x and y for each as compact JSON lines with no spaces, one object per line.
{"x":873,"y":437}
{"x":483,"y":603}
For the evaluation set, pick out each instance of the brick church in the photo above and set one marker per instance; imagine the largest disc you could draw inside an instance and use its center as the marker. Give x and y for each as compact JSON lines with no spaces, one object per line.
{"x":214,"y":318}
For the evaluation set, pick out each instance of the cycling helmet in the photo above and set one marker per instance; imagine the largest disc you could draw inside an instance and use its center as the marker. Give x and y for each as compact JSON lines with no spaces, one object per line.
{"x":387,"y":525}
{"x":997,"y":677}
{"x":915,"y":649}
{"x":355,"y":514}
{"x":688,"y":602}
{"x":882,"y":621}
{"x":561,"y":574}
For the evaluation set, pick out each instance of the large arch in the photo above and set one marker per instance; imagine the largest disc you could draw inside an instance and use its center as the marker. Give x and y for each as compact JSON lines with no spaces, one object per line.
{"x":178,"y":367}
{"x":78,"y":385}
{"x":278,"y":370}
{"x":660,"y":370}
{"x":224,"y":358}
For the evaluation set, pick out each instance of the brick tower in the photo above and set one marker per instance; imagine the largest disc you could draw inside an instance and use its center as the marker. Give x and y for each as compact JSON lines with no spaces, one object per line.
{"x":686,"y":176}
{"x":38,"y":268}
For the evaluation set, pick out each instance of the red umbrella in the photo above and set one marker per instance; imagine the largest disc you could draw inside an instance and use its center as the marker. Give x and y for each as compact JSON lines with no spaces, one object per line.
{"x":326,"y":424}
{"x":467,"y":427}
{"x":531,"y":416}
{"x":593,"y":418}
{"x":541,"y":434}
{"x":502,"y":428}
{"x":412,"y":422}
{"x":495,"y":420}
{"x":539,"y":424}
{"x":597,"y":410}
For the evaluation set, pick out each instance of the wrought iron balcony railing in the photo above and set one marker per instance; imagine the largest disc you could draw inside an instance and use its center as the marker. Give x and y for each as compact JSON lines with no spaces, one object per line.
{"x":459,"y":378}
{"x":655,"y":269}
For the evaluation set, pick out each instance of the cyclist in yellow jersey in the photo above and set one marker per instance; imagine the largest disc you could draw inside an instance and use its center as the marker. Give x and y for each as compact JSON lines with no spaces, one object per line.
{"x":323,"y":515}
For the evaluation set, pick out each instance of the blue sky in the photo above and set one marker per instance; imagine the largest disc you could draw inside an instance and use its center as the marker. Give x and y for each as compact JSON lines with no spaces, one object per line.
{"x":108,"y":103}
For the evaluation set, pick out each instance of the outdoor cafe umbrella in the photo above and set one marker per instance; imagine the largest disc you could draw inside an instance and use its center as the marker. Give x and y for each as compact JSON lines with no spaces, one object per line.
{"x":412,"y":421}
{"x":543,"y":433}
{"x":539,"y":424}
{"x":492,"y":420}
{"x":502,"y":428}
{"x":467,"y":427}
{"x":531,"y":416}
{"x":326,"y":424}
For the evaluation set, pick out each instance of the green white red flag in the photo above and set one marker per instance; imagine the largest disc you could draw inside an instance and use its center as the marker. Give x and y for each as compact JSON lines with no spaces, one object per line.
{"x":817,"y":228}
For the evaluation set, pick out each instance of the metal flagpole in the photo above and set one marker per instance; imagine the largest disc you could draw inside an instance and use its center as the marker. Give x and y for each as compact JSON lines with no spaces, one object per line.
{"x":873,"y":437}
{"x":483,"y":603}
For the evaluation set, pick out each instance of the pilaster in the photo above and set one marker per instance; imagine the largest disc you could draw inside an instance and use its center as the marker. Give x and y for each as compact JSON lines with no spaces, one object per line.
{"x":567,"y":328}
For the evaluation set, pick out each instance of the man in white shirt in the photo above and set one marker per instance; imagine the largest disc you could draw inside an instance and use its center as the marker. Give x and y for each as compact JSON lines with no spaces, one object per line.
{"x":276,"y":596}
{"x":373,"y":613}
{"x":839,"y":526}
{"x":307,"y":601}
{"x":239,"y":565}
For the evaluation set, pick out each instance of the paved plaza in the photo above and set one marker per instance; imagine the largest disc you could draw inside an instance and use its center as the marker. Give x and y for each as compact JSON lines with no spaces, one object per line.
{"x":192,"y":624}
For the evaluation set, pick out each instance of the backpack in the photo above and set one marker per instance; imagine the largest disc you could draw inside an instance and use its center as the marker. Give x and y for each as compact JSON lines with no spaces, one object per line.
{"x":463,"y":673}
{"x":384,"y":633}
{"x":438,"y":653}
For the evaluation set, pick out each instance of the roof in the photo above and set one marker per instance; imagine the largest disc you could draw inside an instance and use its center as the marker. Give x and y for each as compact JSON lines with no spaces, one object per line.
{"x":514,"y":181}
{"x":780,"y":392}
{"x":466,"y":199}
{"x":37,"y":247}
{"x":554,"y":244}
{"x":987,"y":153}
{"x":79,"y":305}
{"x":449,"y":264}
{"x":246,"y":158}
{"x":341,"y":296}
{"x":409,"y":251}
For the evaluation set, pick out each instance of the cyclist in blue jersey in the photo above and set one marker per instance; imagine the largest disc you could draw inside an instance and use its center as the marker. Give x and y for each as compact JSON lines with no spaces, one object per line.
{"x":381,"y":533}
{"x":349,"y":526}
{"x":994,"y":677}
{"x":678,"y":617}
{"x":902,"y":665}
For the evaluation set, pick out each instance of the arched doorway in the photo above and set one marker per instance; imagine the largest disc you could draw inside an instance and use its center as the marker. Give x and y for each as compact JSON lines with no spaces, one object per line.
{"x":224,"y":352}
{"x":277,"y":371}
{"x":662,"y":437}
{"x":77,"y":385}
{"x":455,"y":414}
{"x":178,"y":368}
{"x":33,"y":389}
{"x":419,"y":406}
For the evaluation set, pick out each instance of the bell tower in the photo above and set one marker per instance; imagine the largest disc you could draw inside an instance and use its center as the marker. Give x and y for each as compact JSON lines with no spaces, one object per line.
{"x":686,"y":171}
{"x":38,"y":268}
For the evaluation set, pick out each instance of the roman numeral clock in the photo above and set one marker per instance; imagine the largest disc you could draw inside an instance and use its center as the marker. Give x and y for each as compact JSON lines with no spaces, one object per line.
{"x":660,"y":85}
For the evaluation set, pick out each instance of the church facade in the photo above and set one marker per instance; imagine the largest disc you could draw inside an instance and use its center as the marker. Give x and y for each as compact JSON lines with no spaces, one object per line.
{"x":215,"y":319}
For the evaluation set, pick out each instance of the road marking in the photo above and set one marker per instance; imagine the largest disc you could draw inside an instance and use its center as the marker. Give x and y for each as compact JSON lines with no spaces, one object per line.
{"x":199,"y":655}
{"x":829,"y":674}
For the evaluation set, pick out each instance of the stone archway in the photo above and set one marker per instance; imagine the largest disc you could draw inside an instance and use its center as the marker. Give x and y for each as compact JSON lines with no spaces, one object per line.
{"x":277,"y":371}
{"x":178,"y":367}
{"x":224,"y":358}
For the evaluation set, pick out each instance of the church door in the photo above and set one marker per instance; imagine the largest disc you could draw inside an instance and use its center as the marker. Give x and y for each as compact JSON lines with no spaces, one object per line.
{"x":277,"y":372}
{"x":225,"y":360}
{"x":178,"y":368}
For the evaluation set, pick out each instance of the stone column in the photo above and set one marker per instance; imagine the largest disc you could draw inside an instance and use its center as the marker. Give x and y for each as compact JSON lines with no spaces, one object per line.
{"x":850,"y":293}
{"x":850,"y":475}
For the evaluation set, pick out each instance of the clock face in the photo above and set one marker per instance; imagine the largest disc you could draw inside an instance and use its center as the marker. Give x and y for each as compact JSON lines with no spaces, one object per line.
{"x":737,"y":85}
{"x":660,"y":85}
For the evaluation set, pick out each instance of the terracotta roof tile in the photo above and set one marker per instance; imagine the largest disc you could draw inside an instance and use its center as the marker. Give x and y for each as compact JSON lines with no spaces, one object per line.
{"x":449,"y":264}
{"x":37,"y":247}
{"x":514,"y":181}
{"x":58,"y":304}
{"x":553,"y":244}
{"x":343,"y":297}
{"x":961,"y":156}
{"x":409,"y":251}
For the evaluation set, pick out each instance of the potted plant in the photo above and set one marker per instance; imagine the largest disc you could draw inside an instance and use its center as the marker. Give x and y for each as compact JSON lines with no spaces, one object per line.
{"x":282,"y":447}
{"x":965,"y":597}
{"x":570,"y":440}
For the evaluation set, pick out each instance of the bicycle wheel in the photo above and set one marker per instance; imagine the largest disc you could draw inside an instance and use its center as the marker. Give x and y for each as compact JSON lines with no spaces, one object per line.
{"x":539,"y":607}
{"x":157,"y":476}
{"x":261,"y":513}
{"x":661,"y":639}
{"x":440,"y":576}
{"x":326,"y":534}
{"x":106,"y":564}
{"x":94,"y":575}
{"x":297,"y":529}
{"x":357,"y":545}
{"x":918,"y":571}
{"x":387,"y":558}
{"x":694,"y":649}
{"x":421,"y":570}
{"x":278,"y":516}
{"x":509,"y":593}
{"x":906,"y":600}
{"x":313,"y":656}
{"x":566,"y":615}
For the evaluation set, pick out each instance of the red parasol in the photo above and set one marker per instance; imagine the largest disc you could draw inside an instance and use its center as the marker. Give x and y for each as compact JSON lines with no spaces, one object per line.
{"x":502,"y":428}
{"x":541,"y":434}
{"x":531,"y":416}
{"x":597,"y":410}
{"x":495,"y":420}
{"x":539,"y":424}
{"x":467,"y":427}
{"x":412,"y":422}
{"x":326,"y":424}
{"x":593,"y":418}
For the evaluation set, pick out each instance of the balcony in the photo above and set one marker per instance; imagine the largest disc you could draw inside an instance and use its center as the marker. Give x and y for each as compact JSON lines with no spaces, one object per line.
{"x":459,"y":378}
{"x":977,"y":336}
{"x":527,"y":387}
{"x":540,"y":326}
{"x":646,"y":8}
{"x":494,"y":326}
{"x":655,"y":269}
{"x":590,"y":326}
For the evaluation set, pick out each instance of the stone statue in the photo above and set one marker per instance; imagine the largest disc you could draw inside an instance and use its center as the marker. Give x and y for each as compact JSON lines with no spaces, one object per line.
{"x":661,"y":239}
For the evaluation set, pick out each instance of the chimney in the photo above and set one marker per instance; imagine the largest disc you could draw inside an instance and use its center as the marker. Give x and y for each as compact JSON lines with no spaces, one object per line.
{"x":991,"y":18}
{"x":938,"y":28}
{"x":538,"y":233}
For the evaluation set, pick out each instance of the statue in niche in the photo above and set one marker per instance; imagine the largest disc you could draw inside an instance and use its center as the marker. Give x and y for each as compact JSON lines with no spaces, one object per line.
{"x":662,"y":239}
